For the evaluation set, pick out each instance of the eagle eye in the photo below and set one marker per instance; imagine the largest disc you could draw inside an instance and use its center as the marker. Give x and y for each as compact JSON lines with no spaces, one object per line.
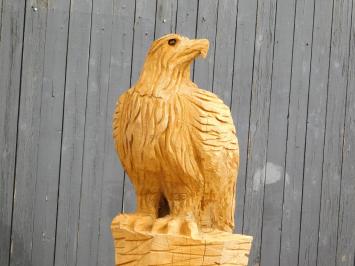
{"x":172,"y":42}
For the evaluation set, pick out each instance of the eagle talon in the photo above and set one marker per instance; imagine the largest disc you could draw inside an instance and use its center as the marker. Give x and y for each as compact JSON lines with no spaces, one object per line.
{"x":189,"y":228}
{"x":161,"y":225}
{"x":136,"y":221}
{"x":144,"y":223}
{"x":176,"y":226}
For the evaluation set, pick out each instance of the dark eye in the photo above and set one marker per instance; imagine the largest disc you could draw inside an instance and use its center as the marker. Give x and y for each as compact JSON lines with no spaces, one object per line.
{"x":172,"y":42}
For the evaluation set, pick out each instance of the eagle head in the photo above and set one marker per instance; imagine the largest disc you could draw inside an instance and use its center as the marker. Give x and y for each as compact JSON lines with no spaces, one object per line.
{"x":174,"y":50}
{"x":168,"y":63}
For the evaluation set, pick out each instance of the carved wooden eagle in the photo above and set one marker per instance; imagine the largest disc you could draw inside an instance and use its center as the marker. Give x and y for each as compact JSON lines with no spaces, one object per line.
{"x":178,"y":145}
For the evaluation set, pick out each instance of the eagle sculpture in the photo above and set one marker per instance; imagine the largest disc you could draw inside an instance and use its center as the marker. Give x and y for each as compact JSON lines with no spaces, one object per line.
{"x":177,"y":144}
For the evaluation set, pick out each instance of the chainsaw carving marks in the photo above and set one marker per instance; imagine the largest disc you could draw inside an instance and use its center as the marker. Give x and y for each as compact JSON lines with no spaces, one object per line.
{"x":177,"y":143}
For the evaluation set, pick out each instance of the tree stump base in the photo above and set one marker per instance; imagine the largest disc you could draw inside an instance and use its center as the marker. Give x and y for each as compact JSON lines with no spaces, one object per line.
{"x":145,"y":248}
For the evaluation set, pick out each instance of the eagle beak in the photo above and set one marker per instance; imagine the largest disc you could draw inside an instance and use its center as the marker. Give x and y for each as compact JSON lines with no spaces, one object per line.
{"x":200,"y":45}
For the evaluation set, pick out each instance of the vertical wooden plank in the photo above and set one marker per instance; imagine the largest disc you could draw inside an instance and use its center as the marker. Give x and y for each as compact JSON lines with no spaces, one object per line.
{"x":242,"y":83}
{"x":73,"y":132}
{"x":186,"y":20}
{"x":315,"y":132}
{"x":297,"y":112}
{"x":119,"y":81}
{"x":206,"y":28}
{"x":187,"y":17}
{"x":28,"y":133}
{"x":333,"y":144}
{"x":277,"y":140}
{"x":1,"y":13}
{"x":50,"y":132}
{"x":259,"y":120}
{"x":144,"y":29}
{"x":11,"y":41}
{"x":165,"y":17}
{"x":224,"y":54}
{"x":95,"y":132}
{"x":346,"y":226}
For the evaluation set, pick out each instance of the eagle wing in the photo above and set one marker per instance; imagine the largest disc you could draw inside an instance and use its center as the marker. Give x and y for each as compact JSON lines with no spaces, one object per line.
{"x":214,"y":136}
{"x":119,"y":124}
{"x":213,"y":121}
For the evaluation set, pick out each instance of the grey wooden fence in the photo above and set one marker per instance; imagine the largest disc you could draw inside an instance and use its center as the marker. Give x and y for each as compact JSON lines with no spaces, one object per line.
{"x":285,"y":67}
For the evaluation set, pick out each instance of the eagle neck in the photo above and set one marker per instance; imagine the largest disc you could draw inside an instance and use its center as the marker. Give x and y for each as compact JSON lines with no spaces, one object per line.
{"x":162,"y":82}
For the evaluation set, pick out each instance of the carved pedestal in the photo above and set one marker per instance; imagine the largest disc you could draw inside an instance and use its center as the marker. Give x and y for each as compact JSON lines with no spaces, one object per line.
{"x":143,"y":248}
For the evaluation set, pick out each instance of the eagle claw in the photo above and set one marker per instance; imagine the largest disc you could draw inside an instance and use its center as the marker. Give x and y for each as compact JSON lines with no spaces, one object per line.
{"x":136,"y":221}
{"x":180,"y":225}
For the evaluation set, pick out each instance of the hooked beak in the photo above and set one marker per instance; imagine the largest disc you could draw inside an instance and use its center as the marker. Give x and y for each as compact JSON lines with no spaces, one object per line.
{"x":201,"y":46}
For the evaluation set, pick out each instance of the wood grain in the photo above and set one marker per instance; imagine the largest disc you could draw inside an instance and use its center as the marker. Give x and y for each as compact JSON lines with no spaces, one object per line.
{"x":63,"y":63}
{"x":28,"y":166}
{"x":11,"y":44}
{"x":224,"y":50}
{"x":241,"y":93}
{"x":259,"y":124}
{"x":94,"y":130}
{"x":334,"y":133}
{"x":345,"y":255}
{"x":165,"y":19}
{"x":118,"y":80}
{"x":277,"y":137}
{"x":178,"y":145}
{"x":297,"y":113}
{"x":139,"y":248}
{"x":73,"y":132}
{"x":50,"y":132}
{"x":165,"y":115}
{"x":206,"y":28}
{"x":313,"y":164}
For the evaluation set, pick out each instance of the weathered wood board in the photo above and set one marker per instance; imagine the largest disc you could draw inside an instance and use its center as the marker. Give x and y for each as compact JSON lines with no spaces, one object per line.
{"x":285,"y":67}
{"x":73,"y":135}
{"x":315,"y":133}
{"x":11,"y":45}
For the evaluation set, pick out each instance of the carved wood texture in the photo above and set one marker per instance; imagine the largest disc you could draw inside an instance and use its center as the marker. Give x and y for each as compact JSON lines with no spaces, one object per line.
{"x":218,"y":248}
{"x":178,"y":145}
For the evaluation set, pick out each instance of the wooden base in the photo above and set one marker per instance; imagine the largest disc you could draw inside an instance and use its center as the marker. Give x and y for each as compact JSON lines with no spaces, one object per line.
{"x":144,"y":248}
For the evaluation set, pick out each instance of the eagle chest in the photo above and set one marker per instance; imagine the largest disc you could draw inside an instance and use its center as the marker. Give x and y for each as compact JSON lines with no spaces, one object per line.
{"x":154,"y":132}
